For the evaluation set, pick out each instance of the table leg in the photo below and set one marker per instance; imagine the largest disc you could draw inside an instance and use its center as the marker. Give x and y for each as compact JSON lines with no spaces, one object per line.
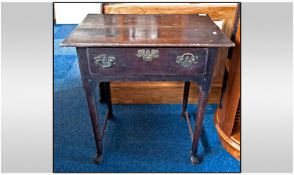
{"x":108,"y":99}
{"x":185,"y":98}
{"x":89,"y":89}
{"x":198,"y":126}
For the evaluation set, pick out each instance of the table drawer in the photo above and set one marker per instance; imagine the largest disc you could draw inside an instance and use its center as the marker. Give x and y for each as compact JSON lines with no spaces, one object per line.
{"x":147,"y":61}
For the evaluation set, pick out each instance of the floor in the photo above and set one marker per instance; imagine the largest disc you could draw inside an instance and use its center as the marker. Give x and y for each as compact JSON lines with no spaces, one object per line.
{"x":141,"y":138}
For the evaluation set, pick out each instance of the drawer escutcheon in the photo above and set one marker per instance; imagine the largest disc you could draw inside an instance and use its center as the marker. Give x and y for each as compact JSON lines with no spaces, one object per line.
{"x":104,"y":61}
{"x":187,"y":60}
{"x":148,"y":55}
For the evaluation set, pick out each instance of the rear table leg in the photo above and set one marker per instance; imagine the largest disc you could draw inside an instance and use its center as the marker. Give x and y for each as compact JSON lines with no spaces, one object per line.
{"x":108,"y":99}
{"x":185,"y":98}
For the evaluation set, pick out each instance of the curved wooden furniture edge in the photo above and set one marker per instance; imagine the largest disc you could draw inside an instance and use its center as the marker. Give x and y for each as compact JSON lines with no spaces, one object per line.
{"x":228,"y":143}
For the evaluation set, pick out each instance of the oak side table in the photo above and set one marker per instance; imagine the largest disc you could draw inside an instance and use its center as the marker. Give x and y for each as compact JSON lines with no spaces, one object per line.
{"x":147,"y":48}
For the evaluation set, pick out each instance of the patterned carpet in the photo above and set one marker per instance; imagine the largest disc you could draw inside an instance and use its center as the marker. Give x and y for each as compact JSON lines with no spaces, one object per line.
{"x":141,"y":138}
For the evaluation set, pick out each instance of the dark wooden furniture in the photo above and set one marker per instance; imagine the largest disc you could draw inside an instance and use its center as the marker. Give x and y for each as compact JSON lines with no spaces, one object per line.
{"x":228,"y":116}
{"x":114,"y":48}
{"x":224,"y":14}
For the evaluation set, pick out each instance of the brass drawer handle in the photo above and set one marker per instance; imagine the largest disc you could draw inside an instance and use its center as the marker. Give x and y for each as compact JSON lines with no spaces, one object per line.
{"x":104,"y":61}
{"x":148,"y":55}
{"x":187,"y":60}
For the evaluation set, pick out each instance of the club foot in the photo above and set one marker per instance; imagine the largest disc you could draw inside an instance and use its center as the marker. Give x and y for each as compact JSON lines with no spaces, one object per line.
{"x":195,"y":160}
{"x":98,"y":159}
{"x":110,"y":116}
{"x":183,"y":115}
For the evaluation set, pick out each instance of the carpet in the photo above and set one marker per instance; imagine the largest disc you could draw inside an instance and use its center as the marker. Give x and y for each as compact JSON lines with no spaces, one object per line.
{"x":141,"y":138}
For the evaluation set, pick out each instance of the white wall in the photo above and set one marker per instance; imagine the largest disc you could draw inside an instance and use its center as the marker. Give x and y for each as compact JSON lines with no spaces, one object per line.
{"x":74,"y":13}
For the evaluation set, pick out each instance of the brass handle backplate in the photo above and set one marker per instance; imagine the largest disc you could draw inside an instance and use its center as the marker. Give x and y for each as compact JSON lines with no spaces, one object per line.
{"x":187,"y":60}
{"x":104,"y":61}
{"x":148,"y":55}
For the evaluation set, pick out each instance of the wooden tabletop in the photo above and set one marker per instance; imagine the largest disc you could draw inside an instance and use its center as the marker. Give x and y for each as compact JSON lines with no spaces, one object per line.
{"x":119,"y":30}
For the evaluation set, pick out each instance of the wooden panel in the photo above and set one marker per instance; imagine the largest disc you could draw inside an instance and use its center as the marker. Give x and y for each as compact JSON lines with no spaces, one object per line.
{"x":230,"y":143}
{"x":236,"y":136}
{"x":156,"y":93}
{"x":217,"y":11}
{"x":227,"y":119}
{"x":232,"y":93}
{"x":225,"y":12}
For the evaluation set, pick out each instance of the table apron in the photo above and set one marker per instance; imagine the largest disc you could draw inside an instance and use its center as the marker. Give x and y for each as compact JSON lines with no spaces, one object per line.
{"x":147,"y":78}
{"x":147,"y":61}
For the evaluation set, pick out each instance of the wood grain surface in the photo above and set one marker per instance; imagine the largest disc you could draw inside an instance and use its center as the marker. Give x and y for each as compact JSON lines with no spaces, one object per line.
{"x":233,"y":91}
{"x":172,"y":91}
{"x":217,"y":11}
{"x":147,"y":30}
{"x":156,"y":93}
{"x":230,"y":143}
{"x":227,"y":119}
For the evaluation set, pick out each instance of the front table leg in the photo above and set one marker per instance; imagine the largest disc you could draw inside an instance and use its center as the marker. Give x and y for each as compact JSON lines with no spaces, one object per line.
{"x":89,"y":90}
{"x":198,"y":126}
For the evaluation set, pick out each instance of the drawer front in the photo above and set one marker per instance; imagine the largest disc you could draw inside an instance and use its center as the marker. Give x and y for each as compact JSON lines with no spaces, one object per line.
{"x":147,"y":61}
